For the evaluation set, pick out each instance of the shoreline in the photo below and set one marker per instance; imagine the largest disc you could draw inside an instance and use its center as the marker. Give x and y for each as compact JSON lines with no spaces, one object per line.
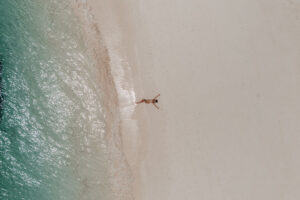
{"x":116,"y":107}
{"x":142,"y":141}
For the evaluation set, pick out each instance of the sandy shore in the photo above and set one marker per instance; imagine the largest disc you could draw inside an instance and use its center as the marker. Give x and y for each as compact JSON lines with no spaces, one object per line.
{"x":229,"y":79}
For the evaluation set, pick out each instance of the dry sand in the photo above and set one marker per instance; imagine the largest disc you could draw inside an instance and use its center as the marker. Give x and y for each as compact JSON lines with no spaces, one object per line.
{"x":229,"y":77}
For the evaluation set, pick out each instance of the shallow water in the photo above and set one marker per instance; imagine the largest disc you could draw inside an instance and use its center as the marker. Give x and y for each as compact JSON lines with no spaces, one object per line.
{"x":52,"y":123}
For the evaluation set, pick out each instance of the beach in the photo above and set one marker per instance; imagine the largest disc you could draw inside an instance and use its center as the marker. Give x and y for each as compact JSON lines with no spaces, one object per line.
{"x":228,"y":75}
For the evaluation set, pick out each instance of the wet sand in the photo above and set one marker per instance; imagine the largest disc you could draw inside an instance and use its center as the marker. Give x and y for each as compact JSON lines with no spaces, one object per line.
{"x":229,"y":79}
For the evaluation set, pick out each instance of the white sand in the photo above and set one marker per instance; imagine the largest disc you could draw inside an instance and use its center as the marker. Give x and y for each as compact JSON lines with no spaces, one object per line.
{"x":229,"y":77}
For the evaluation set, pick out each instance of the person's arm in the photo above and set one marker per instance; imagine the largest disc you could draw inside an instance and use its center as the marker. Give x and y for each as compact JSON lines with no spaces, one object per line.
{"x":156,"y":96}
{"x":155,"y":105}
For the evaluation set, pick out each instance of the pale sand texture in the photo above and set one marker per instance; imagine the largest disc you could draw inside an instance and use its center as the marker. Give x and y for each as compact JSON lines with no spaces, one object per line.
{"x":229,"y":77}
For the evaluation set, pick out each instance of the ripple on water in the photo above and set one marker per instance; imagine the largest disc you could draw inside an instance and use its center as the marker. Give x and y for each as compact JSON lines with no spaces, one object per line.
{"x":52,"y":125}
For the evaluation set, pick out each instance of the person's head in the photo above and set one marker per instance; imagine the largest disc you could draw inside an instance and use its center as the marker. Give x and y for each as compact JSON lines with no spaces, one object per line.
{"x":156,"y":100}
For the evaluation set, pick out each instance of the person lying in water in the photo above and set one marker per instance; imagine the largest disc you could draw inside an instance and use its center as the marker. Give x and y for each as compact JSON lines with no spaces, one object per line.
{"x":147,"y":101}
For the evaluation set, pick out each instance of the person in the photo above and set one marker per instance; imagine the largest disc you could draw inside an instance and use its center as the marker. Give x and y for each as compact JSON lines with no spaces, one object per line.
{"x":154,"y":101}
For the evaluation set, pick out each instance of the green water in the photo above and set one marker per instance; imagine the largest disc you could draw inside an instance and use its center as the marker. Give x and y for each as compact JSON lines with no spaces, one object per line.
{"x":51,"y":129}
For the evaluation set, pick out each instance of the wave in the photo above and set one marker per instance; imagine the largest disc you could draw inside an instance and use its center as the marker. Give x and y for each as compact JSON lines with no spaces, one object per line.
{"x":59,"y":133}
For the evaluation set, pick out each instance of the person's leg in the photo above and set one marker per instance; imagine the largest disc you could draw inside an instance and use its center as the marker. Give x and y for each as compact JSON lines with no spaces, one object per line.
{"x":141,"y":101}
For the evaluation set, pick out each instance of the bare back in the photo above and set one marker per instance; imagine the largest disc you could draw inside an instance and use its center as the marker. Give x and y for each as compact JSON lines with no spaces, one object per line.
{"x":154,"y":101}
{"x":149,"y":101}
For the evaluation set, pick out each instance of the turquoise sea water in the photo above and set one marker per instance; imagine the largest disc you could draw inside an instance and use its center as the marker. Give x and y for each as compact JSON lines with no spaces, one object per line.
{"x":51,"y":129}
